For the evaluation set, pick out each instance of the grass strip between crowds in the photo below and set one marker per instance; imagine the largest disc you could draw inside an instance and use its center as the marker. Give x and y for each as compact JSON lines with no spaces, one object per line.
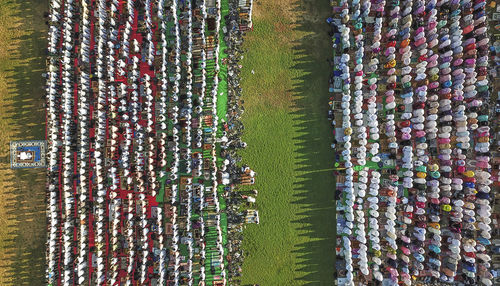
{"x":285,"y":86}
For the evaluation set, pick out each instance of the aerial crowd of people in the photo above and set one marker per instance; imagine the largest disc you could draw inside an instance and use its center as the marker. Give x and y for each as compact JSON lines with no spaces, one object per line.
{"x":414,"y":121}
{"x":143,"y":179}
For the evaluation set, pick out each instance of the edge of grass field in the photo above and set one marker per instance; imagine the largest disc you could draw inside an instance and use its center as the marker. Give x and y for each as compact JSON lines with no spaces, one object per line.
{"x":285,"y":88}
{"x":22,"y":117}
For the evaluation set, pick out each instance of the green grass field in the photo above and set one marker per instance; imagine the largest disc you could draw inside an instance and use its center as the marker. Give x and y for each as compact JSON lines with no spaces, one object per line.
{"x":22,"y":193}
{"x":289,"y":136}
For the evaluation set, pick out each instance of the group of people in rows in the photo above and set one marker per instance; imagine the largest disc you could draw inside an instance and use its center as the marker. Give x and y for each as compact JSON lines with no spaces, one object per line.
{"x":181,"y":106}
{"x":236,"y":200}
{"x":88,"y":41}
{"x":132,"y":90}
{"x":412,"y":127}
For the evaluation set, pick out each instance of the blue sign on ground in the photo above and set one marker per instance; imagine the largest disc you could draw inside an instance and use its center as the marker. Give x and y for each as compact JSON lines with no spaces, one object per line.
{"x":28,"y":154}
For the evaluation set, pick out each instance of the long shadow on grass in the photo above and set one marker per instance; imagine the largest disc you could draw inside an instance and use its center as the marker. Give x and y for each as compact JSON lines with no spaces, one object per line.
{"x":24,"y":192}
{"x":314,"y":191}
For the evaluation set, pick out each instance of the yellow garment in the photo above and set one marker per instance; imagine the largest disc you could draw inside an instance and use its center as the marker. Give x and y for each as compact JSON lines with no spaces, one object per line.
{"x":446,"y":208}
{"x":390,"y":64}
{"x":469,"y":174}
{"x":483,"y":139}
{"x":433,"y":167}
{"x":421,"y":175}
{"x":445,"y":146}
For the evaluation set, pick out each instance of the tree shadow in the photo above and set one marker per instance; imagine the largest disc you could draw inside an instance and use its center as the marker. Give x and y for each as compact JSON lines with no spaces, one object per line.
{"x":23,"y":191}
{"x":315,"y":190}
